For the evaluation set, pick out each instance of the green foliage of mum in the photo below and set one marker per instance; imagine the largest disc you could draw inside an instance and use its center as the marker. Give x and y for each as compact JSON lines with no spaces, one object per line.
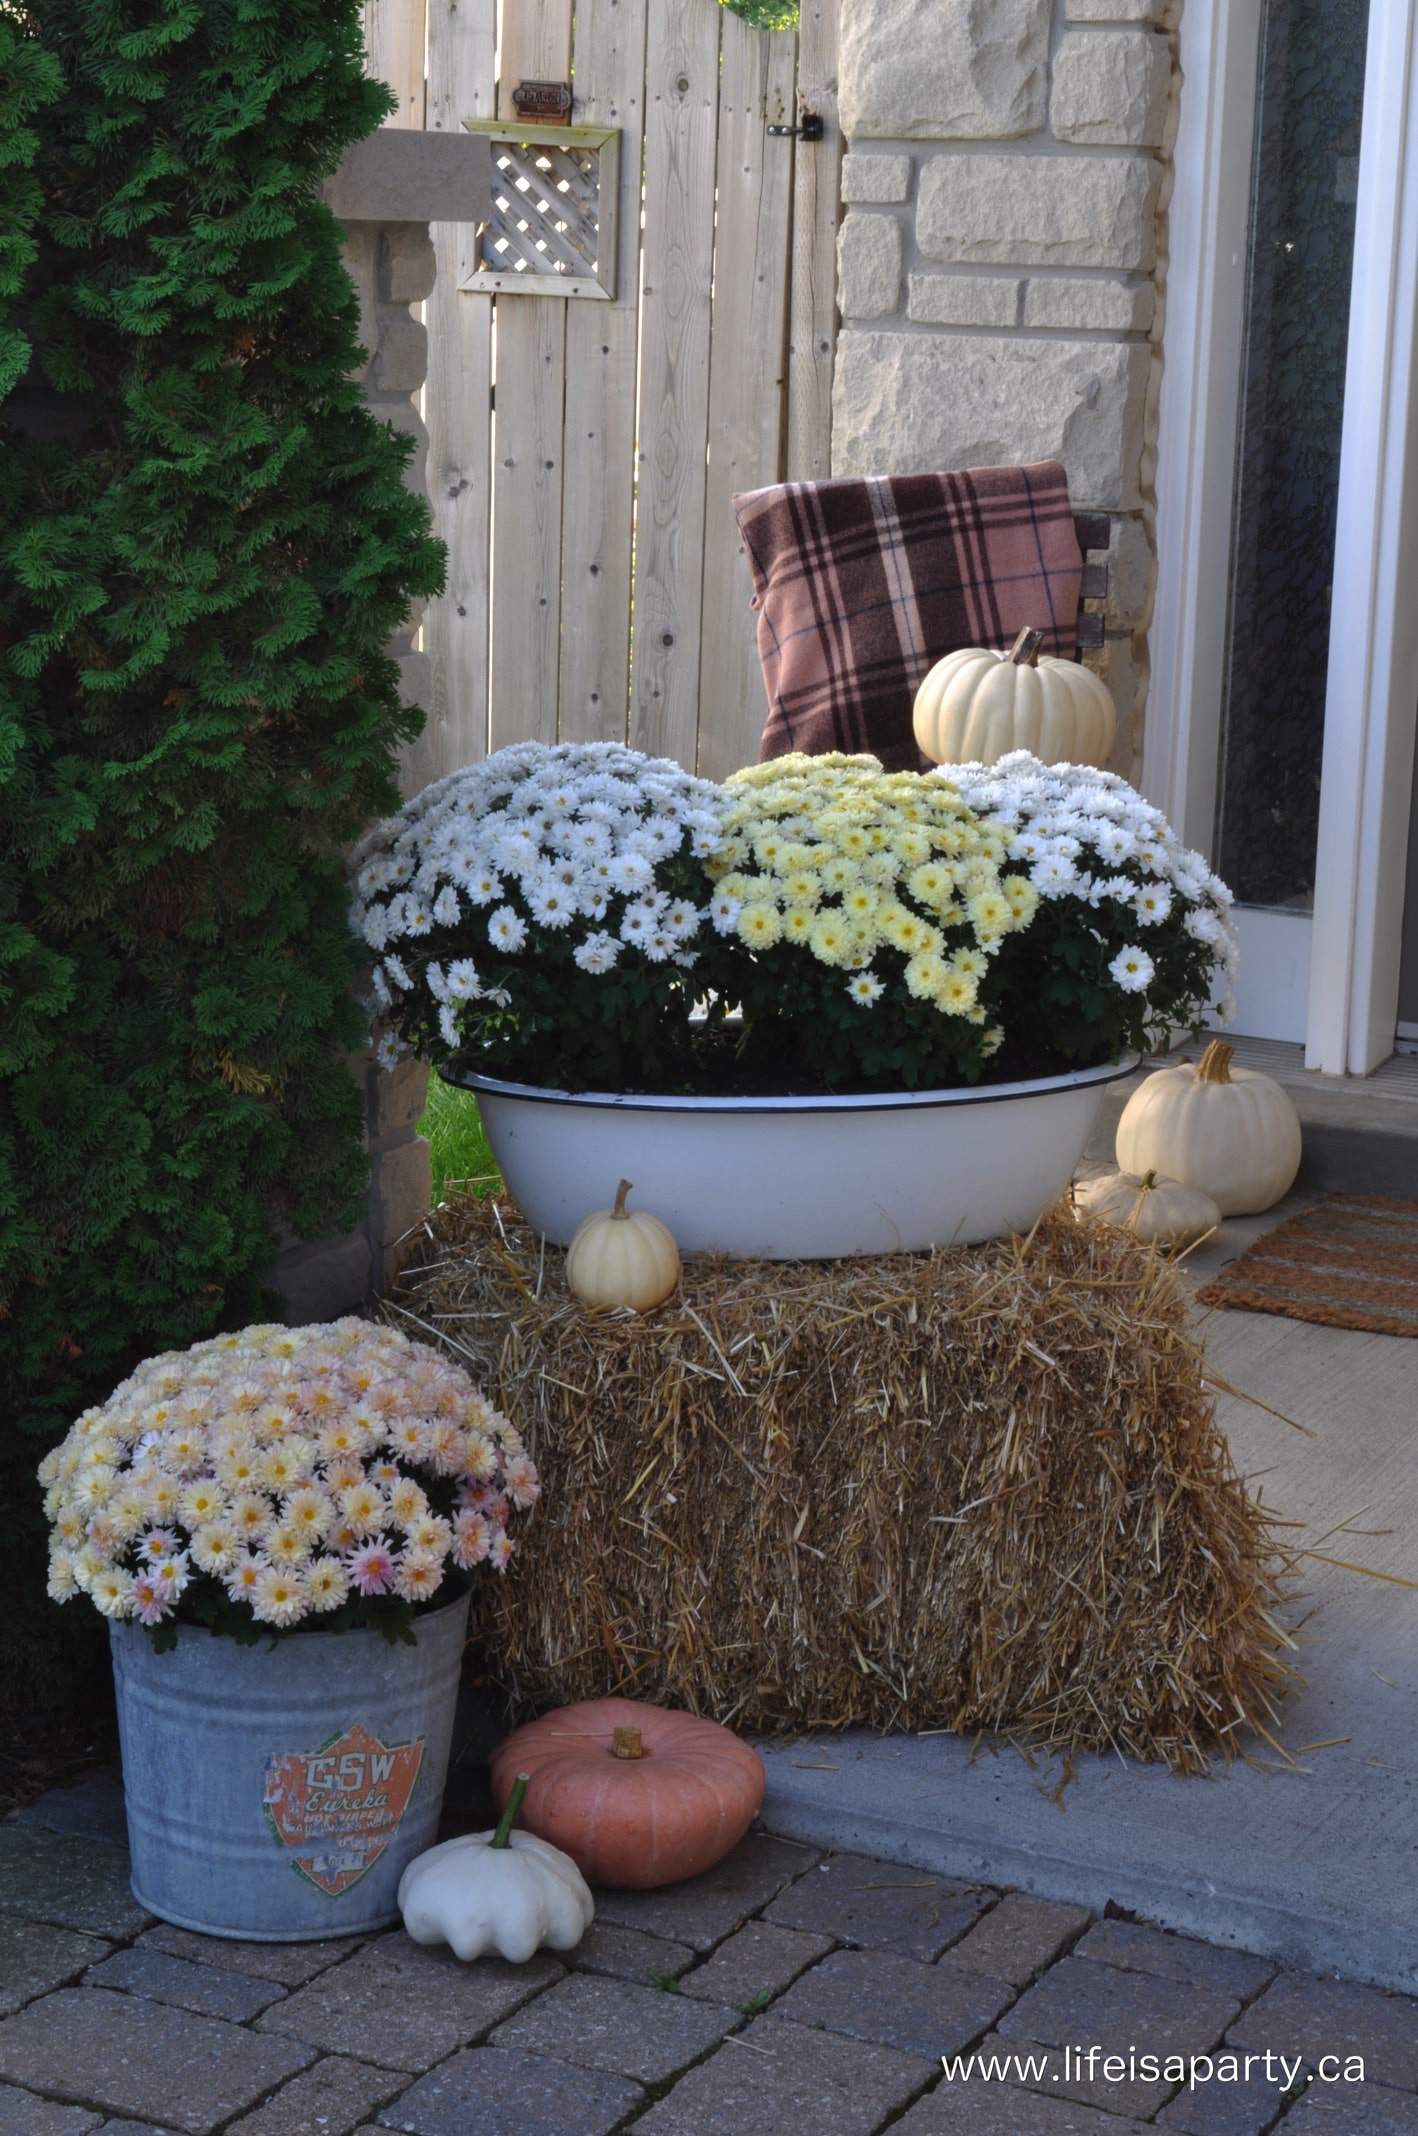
{"x":205,"y":545}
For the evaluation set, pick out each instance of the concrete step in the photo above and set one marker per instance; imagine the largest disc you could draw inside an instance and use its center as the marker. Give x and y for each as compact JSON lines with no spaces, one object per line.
{"x":1360,"y":1132}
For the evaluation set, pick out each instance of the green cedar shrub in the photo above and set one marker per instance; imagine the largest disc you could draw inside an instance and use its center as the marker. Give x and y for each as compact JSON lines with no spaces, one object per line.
{"x":205,"y":544}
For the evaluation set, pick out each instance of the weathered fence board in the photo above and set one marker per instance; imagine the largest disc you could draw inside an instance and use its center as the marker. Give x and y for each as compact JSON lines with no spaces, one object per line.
{"x":530,"y":409}
{"x":462,"y":84}
{"x":598,"y":452}
{"x":746,"y":372}
{"x":584,"y":452}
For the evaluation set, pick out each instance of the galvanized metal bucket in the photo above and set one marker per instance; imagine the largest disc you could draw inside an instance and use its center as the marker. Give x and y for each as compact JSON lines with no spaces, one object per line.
{"x":278,"y":1792}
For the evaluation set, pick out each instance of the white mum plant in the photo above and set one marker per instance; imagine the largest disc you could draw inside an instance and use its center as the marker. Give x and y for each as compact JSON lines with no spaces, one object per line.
{"x":1132,"y":932}
{"x":542,"y":911}
{"x":280,"y":1477}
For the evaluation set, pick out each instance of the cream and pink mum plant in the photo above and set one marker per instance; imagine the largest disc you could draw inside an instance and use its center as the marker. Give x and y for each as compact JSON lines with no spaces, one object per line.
{"x":284,"y":1478}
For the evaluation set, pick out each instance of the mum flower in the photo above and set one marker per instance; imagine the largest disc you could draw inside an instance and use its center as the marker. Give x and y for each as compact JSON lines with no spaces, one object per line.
{"x":1132,"y":968}
{"x":279,"y":1456}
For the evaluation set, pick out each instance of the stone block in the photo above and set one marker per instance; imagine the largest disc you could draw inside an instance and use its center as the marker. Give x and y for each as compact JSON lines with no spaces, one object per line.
{"x":35,"y":1958}
{"x":408,"y":265}
{"x":915,"y":402}
{"x":880,"y":1906}
{"x":1058,"y":2075}
{"x":1111,"y":88}
{"x":896,"y":2002}
{"x":1077,"y":2002}
{"x":71,"y":1883}
{"x":401,"y":174}
{"x":1353,"y":2110}
{"x":143,"y":2059}
{"x":401,"y":364}
{"x":90,"y":1807}
{"x":1123,"y":665}
{"x":204,"y":1988}
{"x":875,"y":179}
{"x":776,"y":2079}
{"x":1099,"y":304}
{"x":1039,"y":211}
{"x":395,"y":1099}
{"x":498,"y":2092}
{"x":1140,"y":1949}
{"x":629,"y":1954}
{"x":1243,"y":2109}
{"x":973,"y":70}
{"x":329,"y":2099}
{"x":1132,"y":575}
{"x":1001,"y":2110}
{"x":22,"y":2114}
{"x":756,"y":1963}
{"x":963,"y":299}
{"x":403,"y":1184}
{"x":869,"y":266}
{"x":647,"y":2034}
{"x":1300,"y":2015}
{"x":1017,"y":1938}
{"x":291,"y":1964}
{"x":417,"y":2004}
{"x":324,"y":1278}
{"x":705,"y":1910}
{"x":1154,"y":11}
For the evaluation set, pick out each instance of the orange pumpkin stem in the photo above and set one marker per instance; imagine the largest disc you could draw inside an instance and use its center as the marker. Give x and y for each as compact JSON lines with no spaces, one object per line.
{"x":627,"y":1743}
{"x":1215,"y":1064}
{"x":1025,"y":650}
{"x":620,"y":1209}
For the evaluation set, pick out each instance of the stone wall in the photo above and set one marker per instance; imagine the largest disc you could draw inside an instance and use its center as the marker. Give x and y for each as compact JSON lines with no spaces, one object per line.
{"x":1001,"y":257}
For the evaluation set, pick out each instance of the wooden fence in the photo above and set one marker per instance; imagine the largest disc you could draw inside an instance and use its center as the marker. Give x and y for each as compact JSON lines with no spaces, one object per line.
{"x":583,"y":452}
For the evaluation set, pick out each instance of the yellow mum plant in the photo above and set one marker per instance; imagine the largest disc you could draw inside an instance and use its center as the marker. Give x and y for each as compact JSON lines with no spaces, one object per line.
{"x":873,"y":905}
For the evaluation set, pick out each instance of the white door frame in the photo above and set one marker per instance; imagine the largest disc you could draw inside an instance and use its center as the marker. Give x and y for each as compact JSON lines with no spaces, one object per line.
{"x":1373,"y":659}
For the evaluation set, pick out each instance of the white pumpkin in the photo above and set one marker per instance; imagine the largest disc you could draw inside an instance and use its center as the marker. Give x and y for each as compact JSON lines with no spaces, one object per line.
{"x":976,"y":706}
{"x":501,"y":1891}
{"x":1161,"y":1211}
{"x":620,"y":1257}
{"x":1230,"y":1131}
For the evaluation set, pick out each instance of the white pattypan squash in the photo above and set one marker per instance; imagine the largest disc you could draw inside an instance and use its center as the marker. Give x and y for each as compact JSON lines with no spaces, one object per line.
{"x":504,"y":1892}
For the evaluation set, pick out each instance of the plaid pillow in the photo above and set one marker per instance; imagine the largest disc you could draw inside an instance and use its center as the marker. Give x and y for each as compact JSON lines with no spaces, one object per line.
{"x":861,"y":586}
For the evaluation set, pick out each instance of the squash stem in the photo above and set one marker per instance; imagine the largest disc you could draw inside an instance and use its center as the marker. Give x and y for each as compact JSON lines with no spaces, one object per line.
{"x":1025,"y":650}
{"x":620,"y":1209}
{"x":503,"y":1834}
{"x":627,"y":1743}
{"x":1215,"y":1064}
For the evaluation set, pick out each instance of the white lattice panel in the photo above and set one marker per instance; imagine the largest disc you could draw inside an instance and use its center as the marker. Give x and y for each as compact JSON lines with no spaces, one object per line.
{"x":551,"y":231}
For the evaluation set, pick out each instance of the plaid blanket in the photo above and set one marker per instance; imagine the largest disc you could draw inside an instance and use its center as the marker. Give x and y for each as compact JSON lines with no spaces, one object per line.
{"x":861,"y":586}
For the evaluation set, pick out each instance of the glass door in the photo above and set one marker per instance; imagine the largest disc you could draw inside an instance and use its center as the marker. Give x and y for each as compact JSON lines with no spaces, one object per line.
{"x":1304,"y":183}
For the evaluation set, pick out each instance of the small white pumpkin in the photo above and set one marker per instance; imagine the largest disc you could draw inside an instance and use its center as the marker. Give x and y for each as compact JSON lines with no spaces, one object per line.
{"x":622,"y":1258}
{"x":975,"y":706}
{"x":501,"y":1891}
{"x":1230,"y":1131}
{"x":1161,"y":1211}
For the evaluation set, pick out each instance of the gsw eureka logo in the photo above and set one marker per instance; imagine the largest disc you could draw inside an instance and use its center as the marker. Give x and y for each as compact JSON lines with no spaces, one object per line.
{"x":338,"y":1807}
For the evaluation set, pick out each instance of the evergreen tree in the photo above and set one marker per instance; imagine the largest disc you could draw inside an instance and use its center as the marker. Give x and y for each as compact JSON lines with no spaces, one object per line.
{"x":205,"y":543}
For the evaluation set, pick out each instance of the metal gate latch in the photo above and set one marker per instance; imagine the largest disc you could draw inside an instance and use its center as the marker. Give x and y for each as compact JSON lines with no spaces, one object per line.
{"x":812,"y":127}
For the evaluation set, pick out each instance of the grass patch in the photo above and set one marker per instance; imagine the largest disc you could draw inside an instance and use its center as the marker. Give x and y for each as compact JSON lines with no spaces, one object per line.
{"x":453,"y":1128}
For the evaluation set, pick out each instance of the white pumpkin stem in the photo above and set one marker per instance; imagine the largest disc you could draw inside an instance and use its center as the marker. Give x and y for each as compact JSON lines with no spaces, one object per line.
{"x":1147,"y":1182}
{"x":1215,"y":1064}
{"x":627,"y":1743}
{"x":1025,"y":650}
{"x":503,"y":1835}
{"x":620,"y":1211}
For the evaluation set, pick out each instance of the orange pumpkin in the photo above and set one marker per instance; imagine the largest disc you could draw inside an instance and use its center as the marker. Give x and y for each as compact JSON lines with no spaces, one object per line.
{"x":638,"y":1796}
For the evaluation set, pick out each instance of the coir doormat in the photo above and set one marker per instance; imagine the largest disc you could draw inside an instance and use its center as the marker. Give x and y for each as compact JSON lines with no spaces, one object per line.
{"x":1349,"y":1262}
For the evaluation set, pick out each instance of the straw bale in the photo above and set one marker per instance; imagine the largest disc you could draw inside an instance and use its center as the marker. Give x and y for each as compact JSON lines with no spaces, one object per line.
{"x":981,"y":1489}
